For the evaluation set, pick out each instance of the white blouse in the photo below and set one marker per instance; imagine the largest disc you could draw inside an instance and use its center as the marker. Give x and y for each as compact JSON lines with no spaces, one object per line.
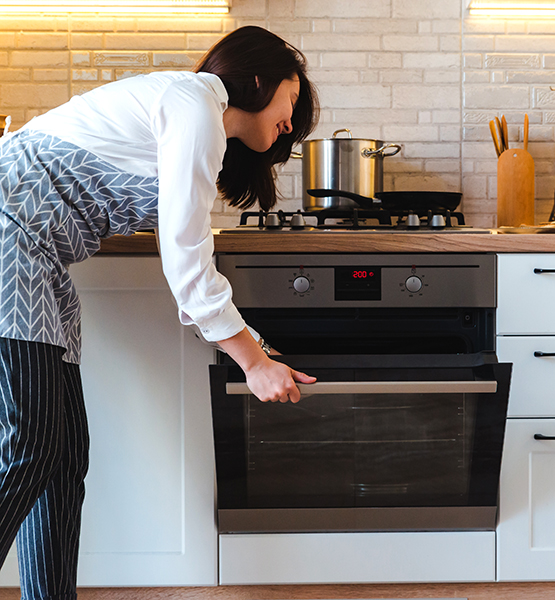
{"x":167,"y":125}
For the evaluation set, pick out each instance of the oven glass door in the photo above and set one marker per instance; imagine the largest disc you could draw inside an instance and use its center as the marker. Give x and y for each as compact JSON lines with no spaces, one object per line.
{"x":379,"y":443}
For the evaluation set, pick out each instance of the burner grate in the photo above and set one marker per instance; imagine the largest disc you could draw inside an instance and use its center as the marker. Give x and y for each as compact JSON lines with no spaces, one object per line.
{"x":353,"y":219}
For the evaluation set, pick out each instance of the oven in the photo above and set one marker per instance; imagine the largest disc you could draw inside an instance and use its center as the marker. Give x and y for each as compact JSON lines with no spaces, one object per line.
{"x":403,"y":430}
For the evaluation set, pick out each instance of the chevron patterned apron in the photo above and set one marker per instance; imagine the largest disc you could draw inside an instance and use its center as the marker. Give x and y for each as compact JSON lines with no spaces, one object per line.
{"x":57,"y":201}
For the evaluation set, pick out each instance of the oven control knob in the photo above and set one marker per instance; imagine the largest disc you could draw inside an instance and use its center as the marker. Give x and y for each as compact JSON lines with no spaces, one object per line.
{"x":413,"y":284}
{"x":301,"y":284}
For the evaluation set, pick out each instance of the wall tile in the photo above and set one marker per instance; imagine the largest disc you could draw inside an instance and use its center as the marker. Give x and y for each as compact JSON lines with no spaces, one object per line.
{"x":120,"y":59}
{"x":341,"y":42}
{"x":426,"y":9}
{"x":496,"y":96}
{"x":33,"y":95}
{"x":348,"y":60}
{"x":411,"y":42}
{"x":431,"y":60}
{"x":22,"y":58}
{"x":512,"y":61}
{"x":355,"y":96}
{"x":430,"y":96}
{"x":337,"y":8}
{"x":525,"y":43}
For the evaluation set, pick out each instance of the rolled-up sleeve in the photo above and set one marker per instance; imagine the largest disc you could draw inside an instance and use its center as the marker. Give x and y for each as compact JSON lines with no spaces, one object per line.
{"x":187,"y":122}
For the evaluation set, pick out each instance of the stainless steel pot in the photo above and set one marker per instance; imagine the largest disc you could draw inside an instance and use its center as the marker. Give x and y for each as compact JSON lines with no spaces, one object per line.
{"x":349,"y":164}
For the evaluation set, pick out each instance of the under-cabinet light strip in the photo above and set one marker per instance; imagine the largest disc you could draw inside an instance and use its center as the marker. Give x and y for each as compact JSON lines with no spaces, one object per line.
{"x":116,"y":6}
{"x":508,"y":8}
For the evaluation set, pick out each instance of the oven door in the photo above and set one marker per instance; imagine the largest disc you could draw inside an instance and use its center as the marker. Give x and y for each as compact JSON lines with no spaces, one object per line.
{"x":379,"y":443}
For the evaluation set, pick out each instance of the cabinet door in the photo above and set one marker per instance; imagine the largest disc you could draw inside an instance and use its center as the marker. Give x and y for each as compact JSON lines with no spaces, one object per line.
{"x":526,"y":531}
{"x":526,"y":300}
{"x":532,"y":392}
{"x":149,"y":509}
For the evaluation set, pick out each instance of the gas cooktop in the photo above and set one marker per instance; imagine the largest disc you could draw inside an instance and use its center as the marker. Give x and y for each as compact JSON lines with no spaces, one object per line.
{"x":353,"y":220}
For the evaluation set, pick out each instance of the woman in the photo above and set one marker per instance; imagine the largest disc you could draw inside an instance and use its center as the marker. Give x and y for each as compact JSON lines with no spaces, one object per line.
{"x":135,"y":154}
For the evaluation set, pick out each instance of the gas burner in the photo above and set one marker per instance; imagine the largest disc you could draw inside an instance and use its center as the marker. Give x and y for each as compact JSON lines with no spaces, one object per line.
{"x":430,"y":220}
{"x":276,"y":220}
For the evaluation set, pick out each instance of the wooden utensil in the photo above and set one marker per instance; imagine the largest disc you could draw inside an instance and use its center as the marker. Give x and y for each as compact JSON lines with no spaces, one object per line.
{"x":515,"y":188}
{"x":526,"y":128}
{"x":502,"y":144}
{"x":505,"y":131}
{"x":496,"y":142}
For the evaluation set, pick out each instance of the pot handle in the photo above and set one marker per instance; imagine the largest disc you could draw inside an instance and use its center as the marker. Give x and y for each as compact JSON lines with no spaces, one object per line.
{"x":369,"y":153}
{"x":334,"y":134}
{"x":296,"y":155}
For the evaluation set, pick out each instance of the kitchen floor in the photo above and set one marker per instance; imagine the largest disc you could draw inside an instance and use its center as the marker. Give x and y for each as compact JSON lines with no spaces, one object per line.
{"x":439,"y":591}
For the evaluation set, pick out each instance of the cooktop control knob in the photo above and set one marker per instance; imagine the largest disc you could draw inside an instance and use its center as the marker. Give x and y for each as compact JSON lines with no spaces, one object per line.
{"x":413,"y":284}
{"x":301,"y":284}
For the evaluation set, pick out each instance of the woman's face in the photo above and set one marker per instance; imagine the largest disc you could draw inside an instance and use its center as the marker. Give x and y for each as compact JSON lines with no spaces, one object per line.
{"x":262,"y":129}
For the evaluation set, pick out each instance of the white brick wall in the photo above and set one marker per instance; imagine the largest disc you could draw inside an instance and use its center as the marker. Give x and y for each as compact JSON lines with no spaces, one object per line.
{"x":418,"y":72}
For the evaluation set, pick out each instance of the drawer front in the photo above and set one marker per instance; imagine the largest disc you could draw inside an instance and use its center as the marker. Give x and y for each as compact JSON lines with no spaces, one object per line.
{"x":526,"y":300}
{"x":532,"y":383}
{"x":328,"y":558}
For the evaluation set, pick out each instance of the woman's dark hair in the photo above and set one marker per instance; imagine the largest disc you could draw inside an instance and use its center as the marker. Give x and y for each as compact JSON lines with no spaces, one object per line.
{"x":252,"y":62}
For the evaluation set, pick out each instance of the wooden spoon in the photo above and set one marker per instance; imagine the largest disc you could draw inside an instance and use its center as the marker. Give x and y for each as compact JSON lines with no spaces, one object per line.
{"x":505,"y":131}
{"x":502,"y":145}
{"x":496,"y":142}
{"x":526,"y":128}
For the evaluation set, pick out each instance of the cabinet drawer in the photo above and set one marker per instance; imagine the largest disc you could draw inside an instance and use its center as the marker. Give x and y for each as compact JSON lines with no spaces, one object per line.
{"x":526,"y":530}
{"x":526,"y":300}
{"x":328,"y":558}
{"x":532,"y":391}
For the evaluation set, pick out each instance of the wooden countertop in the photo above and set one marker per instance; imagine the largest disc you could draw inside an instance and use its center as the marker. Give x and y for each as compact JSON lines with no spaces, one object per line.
{"x":145,"y":243}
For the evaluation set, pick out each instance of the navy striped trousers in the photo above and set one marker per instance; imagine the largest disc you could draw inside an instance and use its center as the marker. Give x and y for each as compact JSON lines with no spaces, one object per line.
{"x":44,"y":448}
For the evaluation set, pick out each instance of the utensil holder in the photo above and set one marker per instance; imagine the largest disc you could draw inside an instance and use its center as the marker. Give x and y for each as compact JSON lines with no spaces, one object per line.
{"x":515,"y":188}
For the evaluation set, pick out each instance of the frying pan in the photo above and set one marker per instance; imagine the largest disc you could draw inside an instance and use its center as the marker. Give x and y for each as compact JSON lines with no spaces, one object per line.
{"x":402,"y":201}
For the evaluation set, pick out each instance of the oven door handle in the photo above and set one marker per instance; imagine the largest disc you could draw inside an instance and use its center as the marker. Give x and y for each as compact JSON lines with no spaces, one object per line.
{"x":382,"y":387}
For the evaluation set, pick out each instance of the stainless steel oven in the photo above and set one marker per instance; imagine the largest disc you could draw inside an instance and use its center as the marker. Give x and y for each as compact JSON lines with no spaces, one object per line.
{"x":404,"y":429}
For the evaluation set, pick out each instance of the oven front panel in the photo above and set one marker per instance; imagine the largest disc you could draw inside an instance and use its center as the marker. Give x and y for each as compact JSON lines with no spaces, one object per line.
{"x":374,"y":449}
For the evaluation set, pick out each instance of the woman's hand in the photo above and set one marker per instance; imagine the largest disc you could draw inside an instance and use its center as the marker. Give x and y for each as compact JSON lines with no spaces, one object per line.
{"x":271,"y":381}
{"x":268,"y":380}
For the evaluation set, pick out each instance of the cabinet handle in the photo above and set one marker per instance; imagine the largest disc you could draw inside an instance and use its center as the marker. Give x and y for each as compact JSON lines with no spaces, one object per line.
{"x":540,"y":271}
{"x":539,"y":354}
{"x":383,"y":387}
{"x":540,"y":436}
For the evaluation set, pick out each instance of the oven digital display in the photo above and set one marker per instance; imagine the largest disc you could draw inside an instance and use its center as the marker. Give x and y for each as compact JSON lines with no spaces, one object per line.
{"x":358,"y":283}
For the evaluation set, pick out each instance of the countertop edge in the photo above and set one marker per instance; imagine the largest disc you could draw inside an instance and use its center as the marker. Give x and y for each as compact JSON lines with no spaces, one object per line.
{"x":144,"y":244}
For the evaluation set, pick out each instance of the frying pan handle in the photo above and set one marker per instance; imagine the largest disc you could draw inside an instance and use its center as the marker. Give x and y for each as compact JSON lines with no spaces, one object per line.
{"x":369,"y":153}
{"x":362,"y":201}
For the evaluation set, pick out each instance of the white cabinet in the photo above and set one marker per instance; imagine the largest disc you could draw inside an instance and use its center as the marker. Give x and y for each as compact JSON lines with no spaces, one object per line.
{"x":149,"y":510}
{"x":148,"y":518}
{"x":526,"y":533}
{"x":525,"y":326}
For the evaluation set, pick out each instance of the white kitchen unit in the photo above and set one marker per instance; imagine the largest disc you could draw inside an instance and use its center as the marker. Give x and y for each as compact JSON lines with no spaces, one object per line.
{"x":357,"y":558}
{"x":525,"y":326}
{"x":148,"y":517}
{"x":149,"y":510}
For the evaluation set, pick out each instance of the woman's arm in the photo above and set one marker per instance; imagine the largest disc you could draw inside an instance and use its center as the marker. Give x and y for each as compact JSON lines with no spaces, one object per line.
{"x":267,"y":379}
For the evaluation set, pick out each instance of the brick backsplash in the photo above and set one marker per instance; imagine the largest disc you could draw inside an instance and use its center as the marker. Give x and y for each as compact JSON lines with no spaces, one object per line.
{"x":421,"y":73}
